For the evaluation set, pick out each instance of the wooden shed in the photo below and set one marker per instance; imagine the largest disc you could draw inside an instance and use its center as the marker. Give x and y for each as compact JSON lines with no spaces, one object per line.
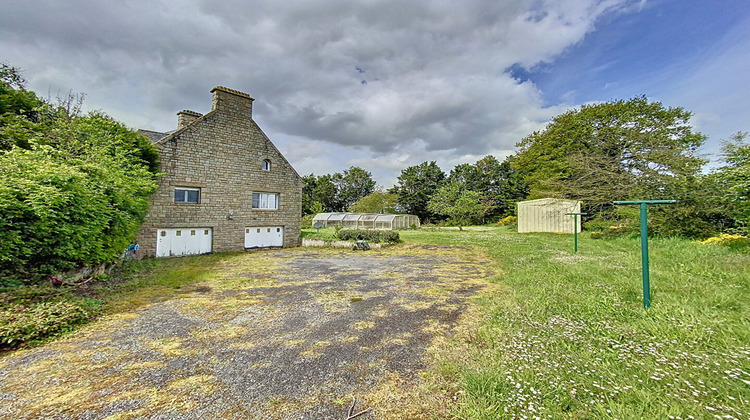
{"x":547,"y":215}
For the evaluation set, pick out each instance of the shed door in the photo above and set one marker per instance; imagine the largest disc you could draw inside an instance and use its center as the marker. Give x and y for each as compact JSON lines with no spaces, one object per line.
{"x":264,"y":236}
{"x":173,"y":242}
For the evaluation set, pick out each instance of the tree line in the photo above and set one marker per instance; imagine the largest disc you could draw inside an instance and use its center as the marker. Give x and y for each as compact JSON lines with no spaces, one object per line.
{"x":470,"y":194}
{"x":619,"y":150}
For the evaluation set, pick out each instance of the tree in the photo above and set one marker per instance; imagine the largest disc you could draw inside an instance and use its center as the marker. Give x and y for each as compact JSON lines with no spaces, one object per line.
{"x":497,"y":183}
{"x":735,"y":177}
{"x":325,"y":192}
{"x":376,"y":202}
{"x":72,"y":193}
{"x":415,"y":187}
{"x":19,"y":110}
{"x":610,"y":151}
{"x":461,"y":206}
{"x":335,"y":192}
{"x":309,"y":204}
{"x":353,"y":184}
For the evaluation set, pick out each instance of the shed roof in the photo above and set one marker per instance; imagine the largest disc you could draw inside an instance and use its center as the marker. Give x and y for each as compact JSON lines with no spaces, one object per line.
{"x":547,"y":201}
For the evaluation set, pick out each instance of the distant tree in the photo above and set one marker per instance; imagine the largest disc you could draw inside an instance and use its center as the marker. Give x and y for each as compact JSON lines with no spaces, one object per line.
{"x":498,"y":184}
{"x":353,"y":184}
{"x":309,"y":204}
{"x":610,"y":151}
{"x":735,"y":176}
{"x":376,"y":202}
{"x":462,"y":207}
{"x":335,"y":192}
{"x":415,"y":187}
{"x":511,"y":189}
{"x":467,"y":175}
{"x":325,"y":192}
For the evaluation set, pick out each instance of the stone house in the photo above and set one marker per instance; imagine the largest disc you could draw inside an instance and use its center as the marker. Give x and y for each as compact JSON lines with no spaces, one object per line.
{"x":225,"y":187}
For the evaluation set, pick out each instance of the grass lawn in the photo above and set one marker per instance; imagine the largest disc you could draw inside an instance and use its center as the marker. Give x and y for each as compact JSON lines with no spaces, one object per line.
{"x":566,"y":336}
{"x":560,"y":335}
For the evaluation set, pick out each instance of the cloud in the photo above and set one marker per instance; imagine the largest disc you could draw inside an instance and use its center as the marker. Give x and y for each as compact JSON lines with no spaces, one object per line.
{"x":437,"y":72}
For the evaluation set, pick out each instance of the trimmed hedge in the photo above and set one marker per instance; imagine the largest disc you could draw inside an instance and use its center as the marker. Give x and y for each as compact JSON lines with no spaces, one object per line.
{"x":374,"y":236}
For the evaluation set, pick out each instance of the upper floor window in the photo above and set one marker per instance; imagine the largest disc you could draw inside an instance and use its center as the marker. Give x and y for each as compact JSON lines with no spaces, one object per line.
{"x":187,"y":195}
{"x":266,"y":201}
{"x":266,"y":165}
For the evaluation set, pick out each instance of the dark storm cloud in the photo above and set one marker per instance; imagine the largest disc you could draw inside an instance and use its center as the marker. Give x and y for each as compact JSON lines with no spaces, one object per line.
{"x":435,"y":72}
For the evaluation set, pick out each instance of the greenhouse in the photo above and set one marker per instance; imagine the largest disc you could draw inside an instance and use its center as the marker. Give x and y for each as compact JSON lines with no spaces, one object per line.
{"x":366,"y":220}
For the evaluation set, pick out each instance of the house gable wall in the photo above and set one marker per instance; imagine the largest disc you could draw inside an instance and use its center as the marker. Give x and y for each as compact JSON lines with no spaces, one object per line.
{"x":222,"y":153}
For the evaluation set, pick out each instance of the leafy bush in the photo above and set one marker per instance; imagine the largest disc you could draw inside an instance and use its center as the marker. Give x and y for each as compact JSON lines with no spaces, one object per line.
{"x":507,"y":221}
{"x":607,"y":228}
{"x":727,"y":239}
{"x":307,"y":220}
{"x":375,"y":236}
{"x":73,"y":189}
{"x":20,"y":324}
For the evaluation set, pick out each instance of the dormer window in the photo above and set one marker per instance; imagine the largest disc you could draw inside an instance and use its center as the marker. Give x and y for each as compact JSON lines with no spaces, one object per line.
{"x":266,"y":165}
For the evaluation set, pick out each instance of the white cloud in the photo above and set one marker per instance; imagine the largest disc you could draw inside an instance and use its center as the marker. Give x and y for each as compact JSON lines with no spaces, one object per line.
{"x":437,"y":82}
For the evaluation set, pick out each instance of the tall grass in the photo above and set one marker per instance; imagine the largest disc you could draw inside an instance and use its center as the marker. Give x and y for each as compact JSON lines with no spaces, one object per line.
{"x":566,"y":336}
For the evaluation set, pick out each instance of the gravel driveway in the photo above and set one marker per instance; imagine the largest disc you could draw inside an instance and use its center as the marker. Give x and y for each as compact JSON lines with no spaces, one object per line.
{"x":288,"y":334}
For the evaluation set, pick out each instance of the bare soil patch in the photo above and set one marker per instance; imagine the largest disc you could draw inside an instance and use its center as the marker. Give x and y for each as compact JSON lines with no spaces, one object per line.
{"x":287,"y":334}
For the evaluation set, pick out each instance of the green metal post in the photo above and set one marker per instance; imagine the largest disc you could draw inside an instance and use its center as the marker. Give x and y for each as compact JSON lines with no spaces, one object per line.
{"x":644,"y":244}
{"x":644,"y":257}
{"x":575,"y":229}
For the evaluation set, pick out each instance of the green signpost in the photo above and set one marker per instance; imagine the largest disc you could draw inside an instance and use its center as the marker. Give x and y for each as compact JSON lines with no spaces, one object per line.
{"x":644,"y":243}
{"x":575,"y":229}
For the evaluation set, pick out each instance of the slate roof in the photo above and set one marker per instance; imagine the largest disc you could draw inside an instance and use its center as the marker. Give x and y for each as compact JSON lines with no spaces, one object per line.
{"x":154,"y":136}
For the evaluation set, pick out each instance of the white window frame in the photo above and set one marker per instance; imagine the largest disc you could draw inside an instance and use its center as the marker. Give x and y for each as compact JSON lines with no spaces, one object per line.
{"x":181,"y":195}
{"x":266,"y":165}
{"x":265,"y":201}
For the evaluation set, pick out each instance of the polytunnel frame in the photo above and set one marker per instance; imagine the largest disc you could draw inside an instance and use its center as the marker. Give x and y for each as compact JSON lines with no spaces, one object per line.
{"x":367,"y":220}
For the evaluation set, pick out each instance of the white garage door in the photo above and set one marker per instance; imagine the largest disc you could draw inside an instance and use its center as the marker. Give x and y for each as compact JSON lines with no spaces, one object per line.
{"x":174,"y":242}
{"x":264,"y":236}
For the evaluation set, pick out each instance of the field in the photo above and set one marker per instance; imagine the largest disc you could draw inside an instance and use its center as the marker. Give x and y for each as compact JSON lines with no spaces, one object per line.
{"x":558,"y":334}
{"x":566,"y":335}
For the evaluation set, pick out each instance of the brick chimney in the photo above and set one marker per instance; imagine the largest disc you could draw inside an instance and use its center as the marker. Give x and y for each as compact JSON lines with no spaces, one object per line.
{"x":230,"y":100}
{"x":185,"y":117}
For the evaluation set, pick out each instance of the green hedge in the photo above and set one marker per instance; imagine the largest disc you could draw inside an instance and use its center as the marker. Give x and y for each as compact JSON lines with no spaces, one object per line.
{"x":375,"y":236}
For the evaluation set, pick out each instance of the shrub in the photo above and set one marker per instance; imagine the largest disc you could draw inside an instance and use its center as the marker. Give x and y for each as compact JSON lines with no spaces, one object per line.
{"x":375,"y":236}
{"x":20,"y":324}
{"x":613,"y":225}
{"x":73,"y":188}
{"x":727,"y":239}
{"x":507,"y":221}
{"x":307,"y":220}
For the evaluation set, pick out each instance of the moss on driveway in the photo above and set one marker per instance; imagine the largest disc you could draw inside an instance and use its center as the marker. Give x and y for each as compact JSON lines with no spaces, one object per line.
{"x":294,"y":333}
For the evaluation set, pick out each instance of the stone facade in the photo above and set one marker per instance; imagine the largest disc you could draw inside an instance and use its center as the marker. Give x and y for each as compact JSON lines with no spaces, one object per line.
{"x":222,"y":153}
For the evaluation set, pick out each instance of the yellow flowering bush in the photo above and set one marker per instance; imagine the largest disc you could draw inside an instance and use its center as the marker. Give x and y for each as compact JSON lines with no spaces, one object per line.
{"x":727,"y":239}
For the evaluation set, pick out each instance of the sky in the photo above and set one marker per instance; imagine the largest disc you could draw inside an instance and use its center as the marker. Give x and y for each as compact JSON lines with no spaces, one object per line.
{"x":384,"y":85}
